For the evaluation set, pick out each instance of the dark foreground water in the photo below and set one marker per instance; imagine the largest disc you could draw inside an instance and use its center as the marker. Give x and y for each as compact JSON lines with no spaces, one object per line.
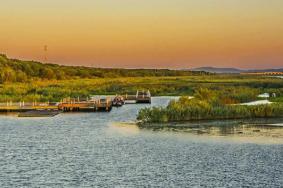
{"x":93,"y":150}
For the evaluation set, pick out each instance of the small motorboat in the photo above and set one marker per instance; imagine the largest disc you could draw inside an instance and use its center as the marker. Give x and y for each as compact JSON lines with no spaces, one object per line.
{"x":118,"y":101}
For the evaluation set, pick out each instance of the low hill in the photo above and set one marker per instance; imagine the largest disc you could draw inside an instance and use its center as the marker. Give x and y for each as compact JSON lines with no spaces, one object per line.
{"x":13,"y":70}
{"x":233,"y":70}
{"x":218,"y":70}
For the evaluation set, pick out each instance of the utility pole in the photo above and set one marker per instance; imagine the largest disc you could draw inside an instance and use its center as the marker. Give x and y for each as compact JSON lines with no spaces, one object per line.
{"x":45,"y":48}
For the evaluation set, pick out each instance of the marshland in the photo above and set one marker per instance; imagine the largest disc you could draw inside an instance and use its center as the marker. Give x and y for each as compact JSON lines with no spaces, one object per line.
{"x":196,"y":126}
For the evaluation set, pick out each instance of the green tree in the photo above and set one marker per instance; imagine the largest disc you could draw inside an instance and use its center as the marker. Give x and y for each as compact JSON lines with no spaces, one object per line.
{"x":47,"y":73}
{"x":21,"y":76}
{"x":7,"y":75}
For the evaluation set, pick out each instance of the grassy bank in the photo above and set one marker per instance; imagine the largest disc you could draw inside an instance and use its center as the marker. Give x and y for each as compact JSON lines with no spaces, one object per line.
{"x":234,"y":88}
{"x":207,"y":105}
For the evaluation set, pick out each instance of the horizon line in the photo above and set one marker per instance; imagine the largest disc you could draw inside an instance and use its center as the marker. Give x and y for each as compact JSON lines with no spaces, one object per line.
{"x":158,"y":68}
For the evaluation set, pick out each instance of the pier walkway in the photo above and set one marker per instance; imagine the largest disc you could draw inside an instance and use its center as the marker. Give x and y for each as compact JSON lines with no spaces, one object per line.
{"x":71,"y":105}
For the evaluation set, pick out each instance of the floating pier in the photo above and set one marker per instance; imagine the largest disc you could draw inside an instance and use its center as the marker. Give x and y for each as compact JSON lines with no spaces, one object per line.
{"x":75,"y":105}
{"x":24,"y":107}
{"x":140,"y":97}
{"x":143,"y":97}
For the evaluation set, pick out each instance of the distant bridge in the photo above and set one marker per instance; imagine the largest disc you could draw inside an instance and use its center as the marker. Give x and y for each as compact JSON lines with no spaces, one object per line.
{"x":264,"y":73}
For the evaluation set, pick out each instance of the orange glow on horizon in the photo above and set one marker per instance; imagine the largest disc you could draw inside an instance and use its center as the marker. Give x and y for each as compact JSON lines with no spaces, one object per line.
{"x":148,"y":34}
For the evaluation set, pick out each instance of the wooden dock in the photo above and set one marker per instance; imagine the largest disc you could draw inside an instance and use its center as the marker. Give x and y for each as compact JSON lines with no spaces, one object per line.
{"x":143,"y":97}
{"x":140,"y":97}
{"x":24,"y":107}
{"x":77,"y":105}
{"x":73,"y":105}
{"x":66,"y":106}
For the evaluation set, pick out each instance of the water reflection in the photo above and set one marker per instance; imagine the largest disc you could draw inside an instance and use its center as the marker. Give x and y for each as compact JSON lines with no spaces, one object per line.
{"x":89,"y":150}
{"x":263,"y":131}
{"x":129,"y":129}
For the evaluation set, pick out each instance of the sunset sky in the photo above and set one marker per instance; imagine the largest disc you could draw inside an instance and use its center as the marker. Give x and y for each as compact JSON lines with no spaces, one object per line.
{"x":145,"y":33}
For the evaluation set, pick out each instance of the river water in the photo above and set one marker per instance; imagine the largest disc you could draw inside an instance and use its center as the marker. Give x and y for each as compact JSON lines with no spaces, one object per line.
{"x":97,"y":150}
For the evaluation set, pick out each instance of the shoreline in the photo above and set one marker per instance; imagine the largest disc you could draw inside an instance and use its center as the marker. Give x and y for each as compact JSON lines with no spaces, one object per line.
{"x":216,"y":122}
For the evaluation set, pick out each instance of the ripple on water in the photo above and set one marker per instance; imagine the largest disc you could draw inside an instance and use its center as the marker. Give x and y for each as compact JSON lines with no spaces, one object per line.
{"x":87,"y":150}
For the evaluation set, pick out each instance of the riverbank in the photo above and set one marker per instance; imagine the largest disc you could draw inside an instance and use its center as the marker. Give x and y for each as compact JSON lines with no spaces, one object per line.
{"x":269,"y":122}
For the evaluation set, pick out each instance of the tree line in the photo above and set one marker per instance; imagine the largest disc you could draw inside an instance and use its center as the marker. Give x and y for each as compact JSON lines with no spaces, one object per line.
{"x":14,"y":70}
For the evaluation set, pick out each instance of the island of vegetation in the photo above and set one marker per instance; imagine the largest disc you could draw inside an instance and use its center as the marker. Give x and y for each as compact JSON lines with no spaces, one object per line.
{"x":209,"y":105}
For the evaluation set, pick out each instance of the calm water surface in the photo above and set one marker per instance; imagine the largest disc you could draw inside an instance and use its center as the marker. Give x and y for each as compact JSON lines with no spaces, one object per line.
{"x":94,"y":150}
